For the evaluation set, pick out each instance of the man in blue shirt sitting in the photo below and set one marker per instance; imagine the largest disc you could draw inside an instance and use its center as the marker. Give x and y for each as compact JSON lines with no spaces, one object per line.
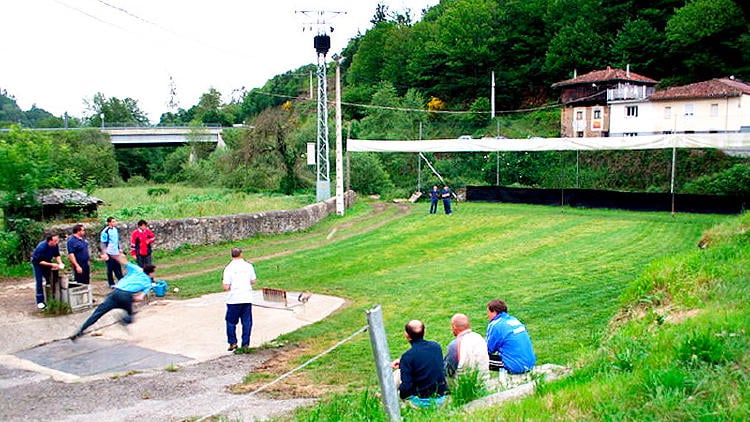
{"x":132,"y":288}
{"x":507,"y":340}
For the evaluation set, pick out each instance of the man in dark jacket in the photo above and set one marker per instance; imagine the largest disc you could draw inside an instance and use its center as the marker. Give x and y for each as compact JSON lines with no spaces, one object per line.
{"x":420,"y":376}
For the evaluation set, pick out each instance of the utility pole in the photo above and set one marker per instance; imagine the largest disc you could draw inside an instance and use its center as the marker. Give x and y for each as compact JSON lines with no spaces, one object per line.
{"x":340,"y":206}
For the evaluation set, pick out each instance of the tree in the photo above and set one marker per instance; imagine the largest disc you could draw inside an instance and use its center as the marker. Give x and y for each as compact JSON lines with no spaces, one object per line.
{"x":116,"y":112}
{"x":577,"y":46}
{"x":639,"y":45}
{"x":270,"y":146}
{"x":708,"y":38}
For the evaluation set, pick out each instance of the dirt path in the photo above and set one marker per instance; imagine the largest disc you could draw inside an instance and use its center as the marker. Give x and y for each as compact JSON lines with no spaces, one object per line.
{"x":203,"y":389}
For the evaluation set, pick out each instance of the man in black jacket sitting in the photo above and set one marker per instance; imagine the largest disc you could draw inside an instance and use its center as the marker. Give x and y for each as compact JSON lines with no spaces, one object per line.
{"x":420,"y":375}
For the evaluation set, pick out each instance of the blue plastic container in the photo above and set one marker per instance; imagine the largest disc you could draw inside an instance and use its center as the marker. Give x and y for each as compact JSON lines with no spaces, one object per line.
{"x":161,"y":288}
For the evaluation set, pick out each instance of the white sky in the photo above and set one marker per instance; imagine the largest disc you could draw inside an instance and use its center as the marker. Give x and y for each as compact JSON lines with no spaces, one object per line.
{"x":57,"y":53}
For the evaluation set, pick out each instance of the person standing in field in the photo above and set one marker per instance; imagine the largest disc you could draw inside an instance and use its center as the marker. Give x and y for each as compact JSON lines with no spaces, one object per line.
{"x":78,"y":255}
{"x":42,"y":258}
{"x":508,"y":342}
{"x":110,"y":244}
{"x":238,"y":279}
{"x":446,"y":195}
{"x":140,"y":243}
{"x":434,"y":198}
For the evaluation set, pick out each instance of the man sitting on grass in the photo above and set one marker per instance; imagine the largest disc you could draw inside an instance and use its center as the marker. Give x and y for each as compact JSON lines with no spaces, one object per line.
{"x":508,"y":342}
{"x":468,"y":351}
{"x":419,"y":373}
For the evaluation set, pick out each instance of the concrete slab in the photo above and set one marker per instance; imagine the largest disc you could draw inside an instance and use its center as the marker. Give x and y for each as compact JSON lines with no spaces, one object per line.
{"x":165,"y":332}
{"x":94,"y":356}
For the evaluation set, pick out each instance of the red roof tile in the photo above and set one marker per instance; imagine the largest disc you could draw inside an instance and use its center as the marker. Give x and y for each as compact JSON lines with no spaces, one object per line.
{"x":708,"y":89}
{"x":606,"y":75}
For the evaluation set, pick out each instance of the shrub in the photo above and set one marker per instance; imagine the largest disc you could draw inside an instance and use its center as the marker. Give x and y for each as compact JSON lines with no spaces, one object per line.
{"x":733,"y":181}
{"x":157,"y":191}
{"x":137,"y":180}
{"x":28,"y":233}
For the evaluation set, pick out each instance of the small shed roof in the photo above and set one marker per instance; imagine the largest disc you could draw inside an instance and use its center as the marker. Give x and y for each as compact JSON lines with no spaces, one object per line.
{"x":65,"y":197}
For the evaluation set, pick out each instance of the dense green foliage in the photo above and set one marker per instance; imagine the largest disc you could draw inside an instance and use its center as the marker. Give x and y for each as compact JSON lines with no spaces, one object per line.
{"x":430,"y":79}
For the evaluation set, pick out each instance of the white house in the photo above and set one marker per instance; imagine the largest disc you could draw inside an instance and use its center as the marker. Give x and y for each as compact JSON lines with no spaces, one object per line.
{"x":714,"y":106}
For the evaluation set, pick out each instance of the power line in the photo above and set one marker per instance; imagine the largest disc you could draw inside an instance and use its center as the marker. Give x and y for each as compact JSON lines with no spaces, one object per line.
{"x":418,"y":110}
{"x":90,"y":15}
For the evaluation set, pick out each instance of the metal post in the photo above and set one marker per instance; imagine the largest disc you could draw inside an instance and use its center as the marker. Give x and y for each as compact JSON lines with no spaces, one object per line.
{"x":671,"y":185}
{"x":379,"y":343}
{"x":339,"y":142}
{"x":419,"y":163}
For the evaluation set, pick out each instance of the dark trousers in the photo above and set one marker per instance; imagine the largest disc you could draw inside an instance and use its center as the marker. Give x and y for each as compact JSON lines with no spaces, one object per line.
{"x":114,"y":270}
{"x":42,"y":273}
{"x":239,"y":312}
{"x":142,"y":260}
{"x":433,"y":206}
{"x":118,"y":299}
{"x":447,"y":205}
{"x":84,"y":277}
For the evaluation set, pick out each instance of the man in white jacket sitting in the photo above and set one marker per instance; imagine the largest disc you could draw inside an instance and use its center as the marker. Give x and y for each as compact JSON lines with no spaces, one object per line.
{"x":467,"y":351}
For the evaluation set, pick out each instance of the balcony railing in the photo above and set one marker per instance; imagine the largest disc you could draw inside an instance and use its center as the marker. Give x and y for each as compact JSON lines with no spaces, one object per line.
{"x":629,"y":92}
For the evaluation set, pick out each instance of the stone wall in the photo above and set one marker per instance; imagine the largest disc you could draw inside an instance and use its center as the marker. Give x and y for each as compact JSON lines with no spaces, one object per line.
{"x":171,"y":234}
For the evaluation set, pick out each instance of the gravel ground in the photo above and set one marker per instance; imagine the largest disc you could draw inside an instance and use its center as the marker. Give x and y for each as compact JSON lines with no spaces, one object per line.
{"x":189,"y":393}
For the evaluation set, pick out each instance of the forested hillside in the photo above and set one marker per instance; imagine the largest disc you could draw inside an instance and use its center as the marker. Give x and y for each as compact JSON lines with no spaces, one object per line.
{"x":420,"y":76}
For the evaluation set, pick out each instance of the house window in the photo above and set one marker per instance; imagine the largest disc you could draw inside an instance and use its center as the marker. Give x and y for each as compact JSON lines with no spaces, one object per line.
{"x":667,"y":113}
{"x":598,"y":113}
{"x":579,"y":134}
{"x":714,"y":110}
{"x":689,"y":109}
{"x":631,"y":111}
{"x":579,"y":115}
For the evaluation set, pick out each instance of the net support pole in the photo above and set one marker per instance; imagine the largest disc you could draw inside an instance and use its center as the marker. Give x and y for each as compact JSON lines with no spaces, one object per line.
{"x":379,"y":343}
{"x":674,"y":166}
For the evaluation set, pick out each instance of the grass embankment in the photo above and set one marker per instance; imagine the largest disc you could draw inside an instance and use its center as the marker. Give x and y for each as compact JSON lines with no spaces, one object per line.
{"x":155,"y":202}
{"x":562,"y":271}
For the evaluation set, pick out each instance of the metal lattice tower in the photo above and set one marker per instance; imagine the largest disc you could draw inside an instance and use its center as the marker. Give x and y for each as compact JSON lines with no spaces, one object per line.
{"x":322,"y":45}
{"x":323,"y":186}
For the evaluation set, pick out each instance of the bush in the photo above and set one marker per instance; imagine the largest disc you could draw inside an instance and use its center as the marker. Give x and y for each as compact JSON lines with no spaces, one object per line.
{"x":157,"y":191}
{"x":27,"y":233}
{"x":368,"y":175}
{"x":733,"y":181}
{"x":137,"y":180}
{"x":10,"y":248}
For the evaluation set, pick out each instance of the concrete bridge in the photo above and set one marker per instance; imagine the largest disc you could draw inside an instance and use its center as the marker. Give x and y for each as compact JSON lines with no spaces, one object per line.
{"x":159,"y":136}
{"x":155,"y":136}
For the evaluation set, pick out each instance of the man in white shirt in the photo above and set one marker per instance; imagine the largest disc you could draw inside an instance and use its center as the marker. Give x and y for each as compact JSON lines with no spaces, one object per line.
{"x":239,"y":276}
{"x":467,"y":351}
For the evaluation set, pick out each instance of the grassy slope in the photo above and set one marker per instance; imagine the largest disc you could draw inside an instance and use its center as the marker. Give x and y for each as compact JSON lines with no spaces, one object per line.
{"x":562,"y":272}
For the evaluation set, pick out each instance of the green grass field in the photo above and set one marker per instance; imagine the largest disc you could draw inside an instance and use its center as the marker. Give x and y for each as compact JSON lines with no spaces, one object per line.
{"x":562,"y":271}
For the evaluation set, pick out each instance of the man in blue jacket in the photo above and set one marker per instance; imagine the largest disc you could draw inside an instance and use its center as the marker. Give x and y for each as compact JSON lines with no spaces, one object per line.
{"x":132,"y":288}
{"x":507,"y":340}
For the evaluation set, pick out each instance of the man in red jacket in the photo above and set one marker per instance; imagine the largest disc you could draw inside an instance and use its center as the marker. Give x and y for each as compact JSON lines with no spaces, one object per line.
{"x":140,"y":244}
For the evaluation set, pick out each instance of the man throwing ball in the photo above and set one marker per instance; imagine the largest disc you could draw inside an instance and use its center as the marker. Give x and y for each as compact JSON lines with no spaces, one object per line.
{"x":132,"y":288}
